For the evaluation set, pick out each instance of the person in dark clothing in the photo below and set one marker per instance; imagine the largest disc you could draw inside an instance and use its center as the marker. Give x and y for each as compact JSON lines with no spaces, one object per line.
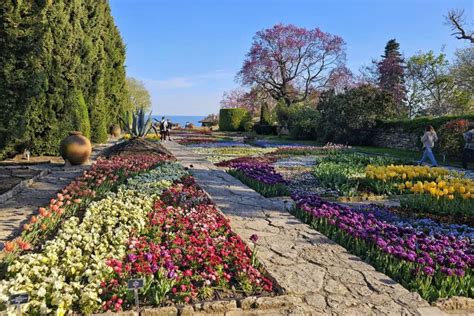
{"x":468,"y":152}
{"x":168,"y":129}
{"x":162,"y":128}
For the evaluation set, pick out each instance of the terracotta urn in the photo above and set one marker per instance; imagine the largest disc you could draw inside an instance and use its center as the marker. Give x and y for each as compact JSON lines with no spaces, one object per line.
{"x":75,"y":148}
{"x":115,"y":131}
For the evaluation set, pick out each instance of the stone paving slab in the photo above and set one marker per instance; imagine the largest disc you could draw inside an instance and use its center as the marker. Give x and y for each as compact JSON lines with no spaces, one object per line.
{"x":15,"y":211}
{"x":323,"y":275}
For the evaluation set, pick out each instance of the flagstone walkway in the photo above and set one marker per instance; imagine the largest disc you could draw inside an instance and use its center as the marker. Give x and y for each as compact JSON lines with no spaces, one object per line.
{"x":319,"y":276}
{"x":23,"y":202}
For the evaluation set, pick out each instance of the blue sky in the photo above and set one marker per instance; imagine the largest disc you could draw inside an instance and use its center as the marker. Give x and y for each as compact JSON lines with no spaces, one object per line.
{"x":188,"y":51}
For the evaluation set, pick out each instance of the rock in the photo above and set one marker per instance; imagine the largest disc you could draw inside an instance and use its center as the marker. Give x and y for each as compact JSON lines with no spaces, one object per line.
{"x":456,"y":303}
{"x":163,"y":311}
{"x":248,"y":303}
{"x":219,"y":306}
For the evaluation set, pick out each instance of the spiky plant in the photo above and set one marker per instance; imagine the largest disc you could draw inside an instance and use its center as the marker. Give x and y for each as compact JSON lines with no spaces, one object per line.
{"x":135,"y":123}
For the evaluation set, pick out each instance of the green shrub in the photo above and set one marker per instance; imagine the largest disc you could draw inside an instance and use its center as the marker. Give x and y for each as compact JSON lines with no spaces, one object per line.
{"x":418,"y":125}
{"x":231,"y":119}
{"x":247,"y":122}
{"x":304,"y":122}
{"x":451,"y":141}
{"x":265,"y":115}
{"x":348,"y":117}
{"x":265,"y":129}
{"x":81,"y":115}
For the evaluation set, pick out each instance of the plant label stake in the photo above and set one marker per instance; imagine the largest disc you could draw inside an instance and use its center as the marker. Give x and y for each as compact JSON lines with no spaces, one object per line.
{"x":135,"y":284}
{"x":18,"y":300}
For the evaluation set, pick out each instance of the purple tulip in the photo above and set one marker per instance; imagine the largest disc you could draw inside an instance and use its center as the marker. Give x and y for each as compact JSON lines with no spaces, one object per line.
{"x":254,"y":238}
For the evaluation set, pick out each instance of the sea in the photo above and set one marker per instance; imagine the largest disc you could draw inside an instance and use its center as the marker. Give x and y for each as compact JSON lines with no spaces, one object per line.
{"x":182,"y":119}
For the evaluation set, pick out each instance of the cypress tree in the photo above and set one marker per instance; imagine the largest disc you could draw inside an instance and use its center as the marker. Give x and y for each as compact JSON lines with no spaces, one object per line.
{"x":61,"y":63}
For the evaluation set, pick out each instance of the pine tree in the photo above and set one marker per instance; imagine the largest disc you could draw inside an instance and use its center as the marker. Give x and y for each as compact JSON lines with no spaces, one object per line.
{"x":391,"y":71}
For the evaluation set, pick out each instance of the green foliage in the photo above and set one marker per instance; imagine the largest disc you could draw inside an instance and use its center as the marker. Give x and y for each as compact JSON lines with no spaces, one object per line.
{"x":267,"y":190}
{"x":247,"y":122}
{"x":345,"y":171}
{"x":139,"y":96}
{"x":304,"y":122}
{"x":231,"y":119}
{"x":451,"y":141}
{"x":418,"y":125}
{"x":348,"y":117}
{"x":136,"y":124}
{"x":61,"y":62}
{"x":81,"y":120}
{"x":265,"y":115}
{"x":427,"y":204}
{"x":438,"y":93}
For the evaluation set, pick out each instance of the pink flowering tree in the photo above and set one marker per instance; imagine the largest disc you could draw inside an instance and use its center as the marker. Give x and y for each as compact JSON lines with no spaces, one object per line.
{"x":238,"y":98}
{"x":290,"y":62}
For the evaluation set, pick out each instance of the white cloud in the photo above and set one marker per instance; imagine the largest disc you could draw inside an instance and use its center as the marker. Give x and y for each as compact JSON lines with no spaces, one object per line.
{"x":197,"y":94}
{"x":183,"y":82}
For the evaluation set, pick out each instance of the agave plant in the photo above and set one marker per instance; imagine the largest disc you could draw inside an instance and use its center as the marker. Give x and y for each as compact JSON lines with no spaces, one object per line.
{"x":135,"y":123}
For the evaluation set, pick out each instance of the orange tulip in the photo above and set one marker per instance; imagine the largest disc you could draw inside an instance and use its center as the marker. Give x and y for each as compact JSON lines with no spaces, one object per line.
{"x":9,"y":246}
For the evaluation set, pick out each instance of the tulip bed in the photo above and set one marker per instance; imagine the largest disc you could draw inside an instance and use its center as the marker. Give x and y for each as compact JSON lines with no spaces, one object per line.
{"x":186,"y":252}
{"x":103,"y":176}
{"x":248,"y":160}
{"x":436,"y":266}
{"x":311,"y":150}
{"x":80,"y":268}
{"x":261,"y":177}
{"x":435,"y":191}
{"x":218,"y":154}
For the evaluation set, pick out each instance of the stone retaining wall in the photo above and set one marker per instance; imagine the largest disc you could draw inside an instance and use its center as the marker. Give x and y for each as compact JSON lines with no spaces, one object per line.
{"x":396,"y":138}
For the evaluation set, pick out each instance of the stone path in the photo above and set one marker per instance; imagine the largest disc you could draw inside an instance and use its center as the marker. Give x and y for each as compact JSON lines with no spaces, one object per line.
{"x":320,"y":277}
{"x":15,"y":211}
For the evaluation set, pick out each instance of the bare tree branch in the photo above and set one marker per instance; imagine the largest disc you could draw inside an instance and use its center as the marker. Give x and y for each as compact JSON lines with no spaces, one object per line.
{"x":455,"y":18}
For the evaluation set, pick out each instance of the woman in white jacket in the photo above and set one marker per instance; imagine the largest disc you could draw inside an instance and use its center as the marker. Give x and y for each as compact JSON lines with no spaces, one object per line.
{"x":428,"y":140}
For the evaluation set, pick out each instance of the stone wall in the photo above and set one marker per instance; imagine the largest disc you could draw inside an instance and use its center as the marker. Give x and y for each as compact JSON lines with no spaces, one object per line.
{"x":396,"y":138}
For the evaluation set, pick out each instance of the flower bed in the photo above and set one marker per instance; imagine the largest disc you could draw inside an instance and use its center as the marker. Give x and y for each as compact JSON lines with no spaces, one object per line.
{"x":218,"y":154}
{"x":67,"y":273}
{"x":436,"y":266}
{"x":174,"y":237}
{"x":247,"y":159}
{"x":186,"y":253}
{"x":261,"y":177}
{"x":311,"y":150}
{"x":345,"y":172}
{"x":95,"y":183}
{"x":427,"y":225}
{"x":386,"y":179}
{"x":197,"y":140}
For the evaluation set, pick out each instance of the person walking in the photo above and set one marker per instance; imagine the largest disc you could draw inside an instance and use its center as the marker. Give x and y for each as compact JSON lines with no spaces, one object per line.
{"x":468,"y":152}
{"x":168,"y":129}
{"x":163,"y":125}
{"x":428,"y":140}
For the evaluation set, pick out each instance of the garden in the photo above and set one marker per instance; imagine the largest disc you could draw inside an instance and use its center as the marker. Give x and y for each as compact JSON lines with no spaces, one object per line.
{"x":129,"y":216}
{"x":413,"y":223}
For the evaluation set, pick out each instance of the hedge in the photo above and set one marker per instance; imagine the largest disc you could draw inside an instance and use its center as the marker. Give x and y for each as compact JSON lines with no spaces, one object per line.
{"x":418,"y":125}
{"x":231,"y":119}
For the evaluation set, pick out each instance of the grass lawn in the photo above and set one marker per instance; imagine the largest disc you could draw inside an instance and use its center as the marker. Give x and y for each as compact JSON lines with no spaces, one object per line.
{"x":405,"y":154}
{"x":381,"y":151}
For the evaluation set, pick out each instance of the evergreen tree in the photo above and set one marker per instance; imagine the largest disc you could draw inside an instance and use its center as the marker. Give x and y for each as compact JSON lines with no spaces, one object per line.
{"x":391,"y":71}
{"x":61,"y":63}
{"x":265,"y":115}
